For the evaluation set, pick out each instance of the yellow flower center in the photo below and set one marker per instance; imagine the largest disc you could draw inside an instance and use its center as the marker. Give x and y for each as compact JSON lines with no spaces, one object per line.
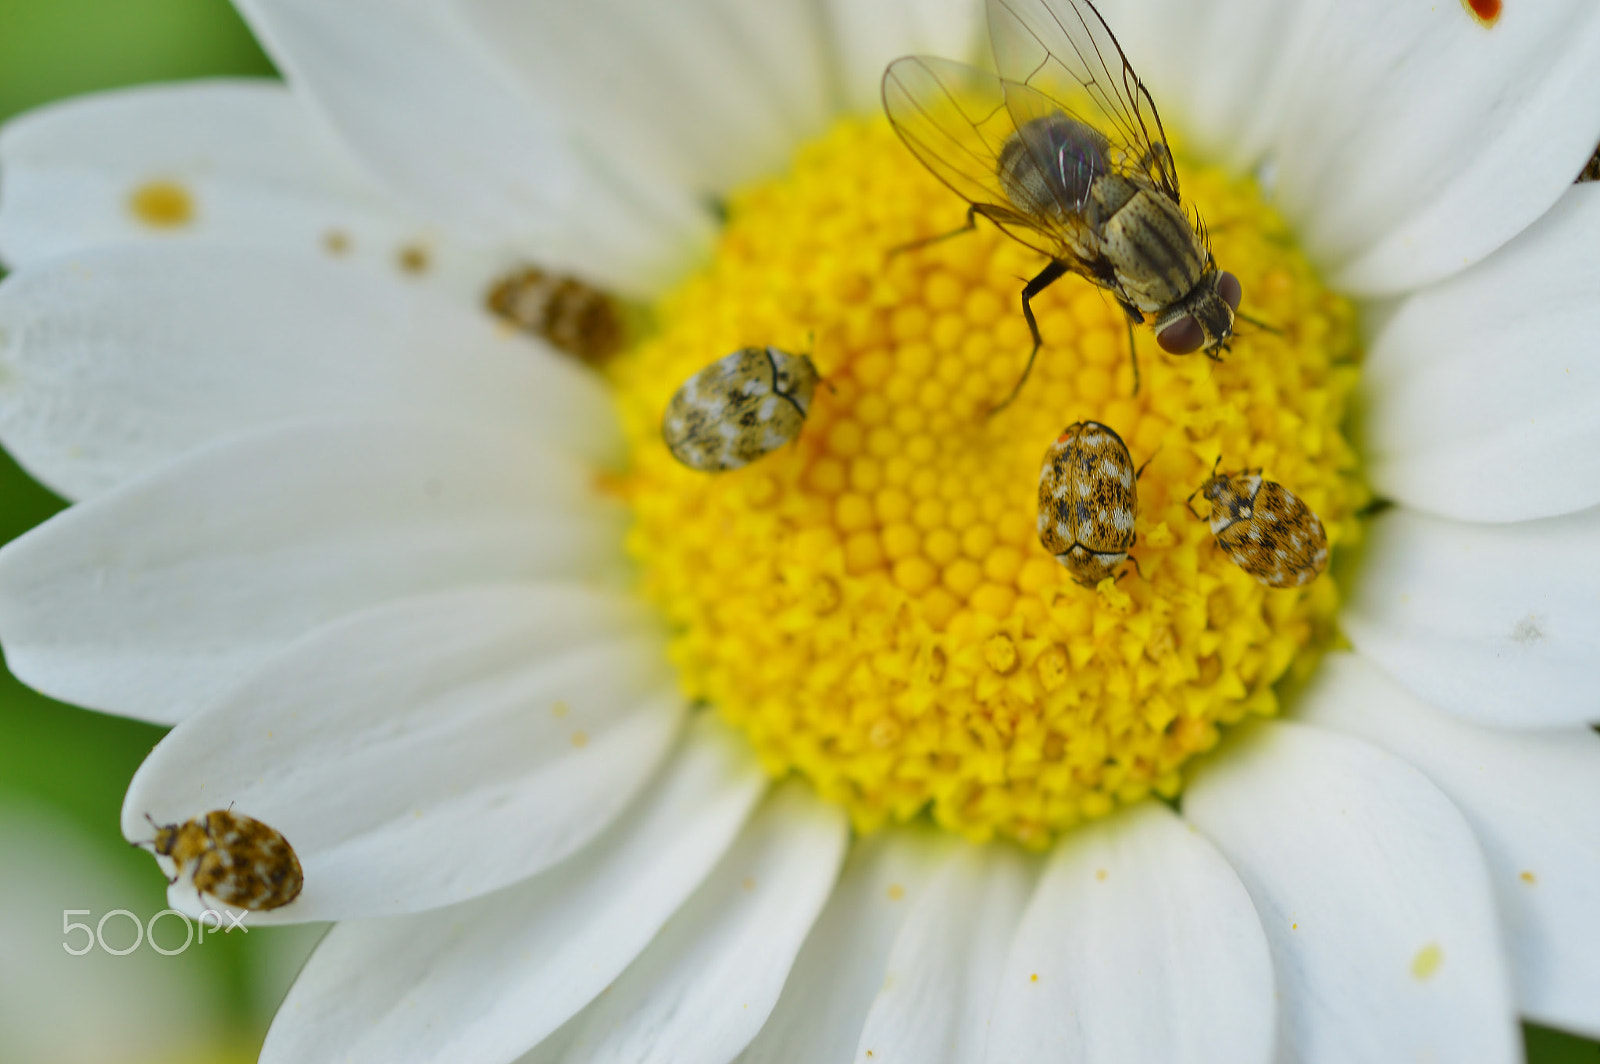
{"x":871,"y":605}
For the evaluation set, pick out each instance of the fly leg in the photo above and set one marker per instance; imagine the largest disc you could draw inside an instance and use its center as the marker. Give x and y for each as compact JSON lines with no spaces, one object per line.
{"x":1042,"y":280}
{"x":1134,"y":318}
{"x":1133,"y":357}
{"x":927,"y":241}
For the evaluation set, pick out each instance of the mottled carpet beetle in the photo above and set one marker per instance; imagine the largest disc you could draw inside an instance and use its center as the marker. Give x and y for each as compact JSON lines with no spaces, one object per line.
{"x":1088,"y":501}
{"x":573,"y":316}
{"x":234,"y":858}
{"x":1264,"y":528}
{"x":739,"y":408}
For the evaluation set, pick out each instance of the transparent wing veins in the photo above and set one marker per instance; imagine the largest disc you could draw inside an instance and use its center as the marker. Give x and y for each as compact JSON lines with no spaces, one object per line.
{"x":1049,"y":45}
{"x":955,"y":120}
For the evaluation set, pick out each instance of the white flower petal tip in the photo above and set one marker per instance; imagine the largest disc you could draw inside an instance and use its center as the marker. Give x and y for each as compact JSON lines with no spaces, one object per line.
{"x":1495,"y":623}
{"x":153,"y":599}
{"x":1139,"y":944}
{"x":432,"y":750}
{"x":942,"y":975}
{"x":479,"y":982}
{"x":865,"y":38}
{"x":1443,"y":140}
{"x":1374,"y":896}
{"x":1482,"y":396}
{"x":210,"y":162}
{"x":1533,"y":800}
{"x":712,"y":93}
{"x":116,"y":362}
{"x":443,"y":122}
{"x":1219,"y":71}
{"x":708,"y":982}
{"x":840,"y":969}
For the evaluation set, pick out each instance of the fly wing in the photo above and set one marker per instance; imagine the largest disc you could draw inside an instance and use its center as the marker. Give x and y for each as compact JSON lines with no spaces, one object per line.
{"x":1064,"y":50}
{"x":954,"y":119}
{"x":1068,"y":153}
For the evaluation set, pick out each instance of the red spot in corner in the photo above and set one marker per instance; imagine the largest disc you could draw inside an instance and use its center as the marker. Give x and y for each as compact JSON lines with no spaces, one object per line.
{"x":1487,"y":12}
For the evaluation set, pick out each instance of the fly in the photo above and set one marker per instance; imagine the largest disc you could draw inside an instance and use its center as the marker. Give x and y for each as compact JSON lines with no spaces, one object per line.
{"x":1064,"y":151}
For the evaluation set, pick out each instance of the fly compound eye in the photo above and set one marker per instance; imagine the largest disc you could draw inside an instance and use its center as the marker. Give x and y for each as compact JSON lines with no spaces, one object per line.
{"x":1231,"y":291}
{"x":1184,"y":336}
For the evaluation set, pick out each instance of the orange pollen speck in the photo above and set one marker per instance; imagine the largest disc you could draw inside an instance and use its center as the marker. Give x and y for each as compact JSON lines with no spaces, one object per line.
{"x":1485,"y":12}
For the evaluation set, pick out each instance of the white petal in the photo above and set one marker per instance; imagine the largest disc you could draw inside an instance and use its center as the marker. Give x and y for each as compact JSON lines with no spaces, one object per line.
{"x":483,"y":980}
{"x":1218,"y":71}
{"x":1482,"y":399}
{"x":1534,"y":802}
{"x":1495,"y":623}
{"x":258,"y":169}
{"x":437,"y":117}
{"x":398,"y":751}
{"x":151,"y":600}
{"x":1139,"y":944}
{"x":841,"y":967}
{"x":1415,"y":142}
{"x":553,"y":1048}
{"x":866,"y":37}
{"x":1373,"y":894}
{"x":116,"y":363}
{"x":699,"y":94}
{"x":707,"y":983}
{"x":945,"y":967}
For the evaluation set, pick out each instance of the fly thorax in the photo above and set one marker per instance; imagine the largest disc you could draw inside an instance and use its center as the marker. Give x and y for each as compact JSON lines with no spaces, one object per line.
{"x":1150,"y":244}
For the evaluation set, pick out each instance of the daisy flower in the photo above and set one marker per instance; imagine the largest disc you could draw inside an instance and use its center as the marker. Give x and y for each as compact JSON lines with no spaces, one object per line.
{"x":596,"y":758}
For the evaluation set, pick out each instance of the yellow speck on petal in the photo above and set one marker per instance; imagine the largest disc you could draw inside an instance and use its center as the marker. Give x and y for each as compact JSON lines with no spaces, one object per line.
{"x":336,"y":242}
{"x":1100,"y":874}
{"x":896,"y":892}
{"x":1034,"y":978}
{"x":1427,"y":961}
{"x":1528,"y":878}
{"x":748,"y":883}
{"x":162,"y":204}
{"x":414,"y":259}
{"x":559,"y":710}
{"x":580,"y":738}
{"x":870,"y":604}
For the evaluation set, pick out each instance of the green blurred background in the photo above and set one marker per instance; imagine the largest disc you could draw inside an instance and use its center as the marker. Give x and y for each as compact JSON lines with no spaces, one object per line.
{"x":63,"y":770}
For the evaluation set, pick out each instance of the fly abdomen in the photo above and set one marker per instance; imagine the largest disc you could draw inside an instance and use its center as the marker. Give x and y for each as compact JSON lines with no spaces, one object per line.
{"x":1049,"y":167}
